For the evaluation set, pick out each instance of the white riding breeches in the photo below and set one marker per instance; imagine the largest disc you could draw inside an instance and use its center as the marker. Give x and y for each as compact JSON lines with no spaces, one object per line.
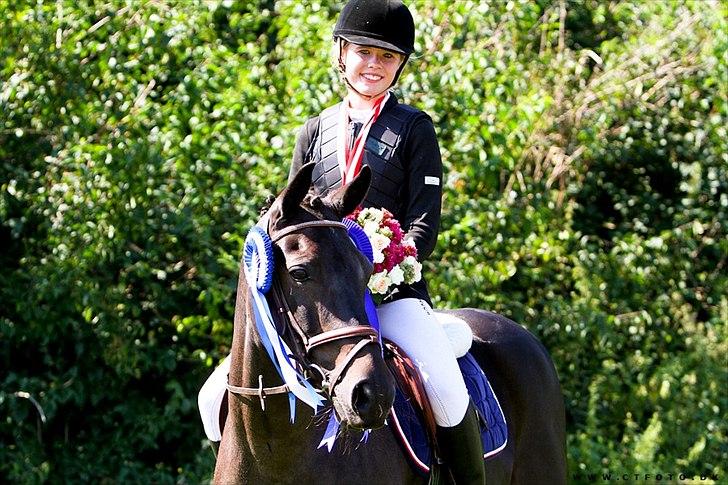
{"x":412,"y":325}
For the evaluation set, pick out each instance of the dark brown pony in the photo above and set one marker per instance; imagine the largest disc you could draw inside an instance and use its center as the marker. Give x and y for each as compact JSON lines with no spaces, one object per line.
{"x":320,"y":280}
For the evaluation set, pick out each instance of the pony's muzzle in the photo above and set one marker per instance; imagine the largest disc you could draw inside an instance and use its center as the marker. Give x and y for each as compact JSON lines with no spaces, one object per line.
{"x":364,"y":399}
{"x":368,"y":404}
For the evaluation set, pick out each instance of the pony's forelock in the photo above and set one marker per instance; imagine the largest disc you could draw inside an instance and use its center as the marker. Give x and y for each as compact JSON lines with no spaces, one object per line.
{"x":318,"y":206}
{"x":312,"y":203}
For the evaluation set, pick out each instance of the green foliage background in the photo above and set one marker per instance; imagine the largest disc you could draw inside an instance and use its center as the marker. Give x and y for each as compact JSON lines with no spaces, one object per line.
{"x":586,"y":197}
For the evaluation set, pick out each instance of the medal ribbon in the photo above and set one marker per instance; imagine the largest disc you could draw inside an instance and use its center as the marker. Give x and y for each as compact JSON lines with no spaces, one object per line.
{"x":350,"y":159}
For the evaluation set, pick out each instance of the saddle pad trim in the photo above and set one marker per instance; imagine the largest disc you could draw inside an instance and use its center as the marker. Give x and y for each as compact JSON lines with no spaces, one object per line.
{"x":405,"y":442}
{"x":500,"y":408}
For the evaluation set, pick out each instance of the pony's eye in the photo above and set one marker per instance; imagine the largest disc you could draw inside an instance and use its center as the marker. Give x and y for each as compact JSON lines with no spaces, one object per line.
{"x":299,"y":274}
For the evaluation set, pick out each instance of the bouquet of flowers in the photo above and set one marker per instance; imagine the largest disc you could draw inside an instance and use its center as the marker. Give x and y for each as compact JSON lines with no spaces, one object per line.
{"x":395,"y":257}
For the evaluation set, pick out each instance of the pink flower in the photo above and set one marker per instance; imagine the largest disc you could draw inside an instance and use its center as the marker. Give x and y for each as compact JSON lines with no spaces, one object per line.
{"x":396,"y":255}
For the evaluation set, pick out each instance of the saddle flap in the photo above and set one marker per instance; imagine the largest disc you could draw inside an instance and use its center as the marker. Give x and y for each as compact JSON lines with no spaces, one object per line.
{"x":408,"y":380}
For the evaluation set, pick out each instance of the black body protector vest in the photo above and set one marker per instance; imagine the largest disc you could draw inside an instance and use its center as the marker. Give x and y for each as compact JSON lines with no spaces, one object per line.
{"x":382,"y":153}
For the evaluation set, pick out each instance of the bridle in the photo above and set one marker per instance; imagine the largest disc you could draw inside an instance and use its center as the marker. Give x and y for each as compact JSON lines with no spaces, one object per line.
{"x":305,"y":344}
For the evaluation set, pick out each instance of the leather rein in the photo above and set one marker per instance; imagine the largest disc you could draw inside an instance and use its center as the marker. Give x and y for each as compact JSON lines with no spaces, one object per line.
{"x":305,"y":344}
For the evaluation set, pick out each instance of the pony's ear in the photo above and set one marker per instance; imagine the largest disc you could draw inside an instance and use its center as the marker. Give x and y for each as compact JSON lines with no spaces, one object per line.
{"x":295,"y":192}
{"x":347,"y":198}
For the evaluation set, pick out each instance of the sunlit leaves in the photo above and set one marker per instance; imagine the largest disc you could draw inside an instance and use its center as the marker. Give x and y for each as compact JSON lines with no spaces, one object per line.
{"x":584,"y":146}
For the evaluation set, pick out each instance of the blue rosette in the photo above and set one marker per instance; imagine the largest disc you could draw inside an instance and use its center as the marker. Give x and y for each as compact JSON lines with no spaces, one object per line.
{"x":258,"y":259}
{"x":360,"y":238}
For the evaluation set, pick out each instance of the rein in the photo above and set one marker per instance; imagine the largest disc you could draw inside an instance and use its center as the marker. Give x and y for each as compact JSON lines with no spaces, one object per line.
{"x":329,"y":379}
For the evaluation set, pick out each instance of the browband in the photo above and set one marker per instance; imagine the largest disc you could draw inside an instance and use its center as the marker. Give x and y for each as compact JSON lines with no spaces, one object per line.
{"x":297,"y":227}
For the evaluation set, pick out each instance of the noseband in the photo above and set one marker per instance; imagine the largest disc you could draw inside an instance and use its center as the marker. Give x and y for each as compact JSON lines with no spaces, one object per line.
{"x":329,"y":379}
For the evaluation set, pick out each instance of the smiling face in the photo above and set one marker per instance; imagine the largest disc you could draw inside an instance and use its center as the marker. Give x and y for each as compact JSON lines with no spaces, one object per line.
{"x":370,"y":70}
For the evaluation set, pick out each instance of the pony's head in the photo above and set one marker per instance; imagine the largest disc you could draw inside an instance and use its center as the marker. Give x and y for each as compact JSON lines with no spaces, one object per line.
{"x":320,"y":278}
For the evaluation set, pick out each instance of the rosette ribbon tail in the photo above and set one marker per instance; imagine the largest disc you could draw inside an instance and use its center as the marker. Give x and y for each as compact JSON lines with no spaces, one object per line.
{"x":332,"y":429}
{"x":371,"y":310}
{"x":278,"y":352}
{"x":258,"y":267}
{"x":364,"y":245}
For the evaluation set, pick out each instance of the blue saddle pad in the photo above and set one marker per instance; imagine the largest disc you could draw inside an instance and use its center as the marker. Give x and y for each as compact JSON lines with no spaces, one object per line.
{"x":493,"y":430}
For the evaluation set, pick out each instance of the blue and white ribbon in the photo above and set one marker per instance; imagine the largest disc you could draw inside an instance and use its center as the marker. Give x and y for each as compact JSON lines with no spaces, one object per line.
{"x":257,"y":258}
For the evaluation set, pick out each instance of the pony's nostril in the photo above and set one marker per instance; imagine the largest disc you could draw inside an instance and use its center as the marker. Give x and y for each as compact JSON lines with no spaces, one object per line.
{"x":363,"y":398}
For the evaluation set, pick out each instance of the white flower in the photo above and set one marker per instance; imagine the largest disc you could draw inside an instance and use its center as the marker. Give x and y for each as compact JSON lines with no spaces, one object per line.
{"x":418,"y":271}
{"x":412,"y":269}
{"x":396,"y":275}
{"x":371,"y":228}
{"x":378,"y":256}
{"x":379,"y":282}
{"x":410,"y":261}
{"x":379,"y":241}
{"x":371,"y":214}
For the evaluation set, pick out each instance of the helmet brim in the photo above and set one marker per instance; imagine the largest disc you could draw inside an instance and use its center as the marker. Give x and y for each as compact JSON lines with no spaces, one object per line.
{"x":370,"y":42}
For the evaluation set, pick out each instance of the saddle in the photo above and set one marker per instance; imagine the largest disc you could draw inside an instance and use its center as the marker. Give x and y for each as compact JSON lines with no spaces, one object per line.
{"x":412,"y":419}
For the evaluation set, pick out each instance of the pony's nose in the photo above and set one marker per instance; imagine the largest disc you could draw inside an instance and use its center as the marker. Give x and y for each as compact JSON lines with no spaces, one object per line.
{"x":363,"y":399}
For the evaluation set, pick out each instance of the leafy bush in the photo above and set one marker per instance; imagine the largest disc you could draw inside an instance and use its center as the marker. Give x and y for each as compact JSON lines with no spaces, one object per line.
{"x":585,"y":196}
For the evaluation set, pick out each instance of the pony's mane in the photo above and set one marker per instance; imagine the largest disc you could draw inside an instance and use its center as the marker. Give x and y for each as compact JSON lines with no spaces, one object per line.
{"x":267,"y":204}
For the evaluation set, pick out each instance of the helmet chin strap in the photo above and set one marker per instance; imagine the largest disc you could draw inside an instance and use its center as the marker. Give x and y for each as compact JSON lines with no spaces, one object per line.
{"x":342,"y":70}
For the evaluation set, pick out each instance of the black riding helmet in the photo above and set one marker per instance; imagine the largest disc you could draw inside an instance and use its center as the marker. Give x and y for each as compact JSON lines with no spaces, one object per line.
{"x":379,"y":23}
{"x":386,"y":24}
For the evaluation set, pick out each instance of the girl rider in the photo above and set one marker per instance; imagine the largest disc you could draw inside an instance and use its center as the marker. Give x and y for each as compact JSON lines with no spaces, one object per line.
{"x":373,"y":40}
